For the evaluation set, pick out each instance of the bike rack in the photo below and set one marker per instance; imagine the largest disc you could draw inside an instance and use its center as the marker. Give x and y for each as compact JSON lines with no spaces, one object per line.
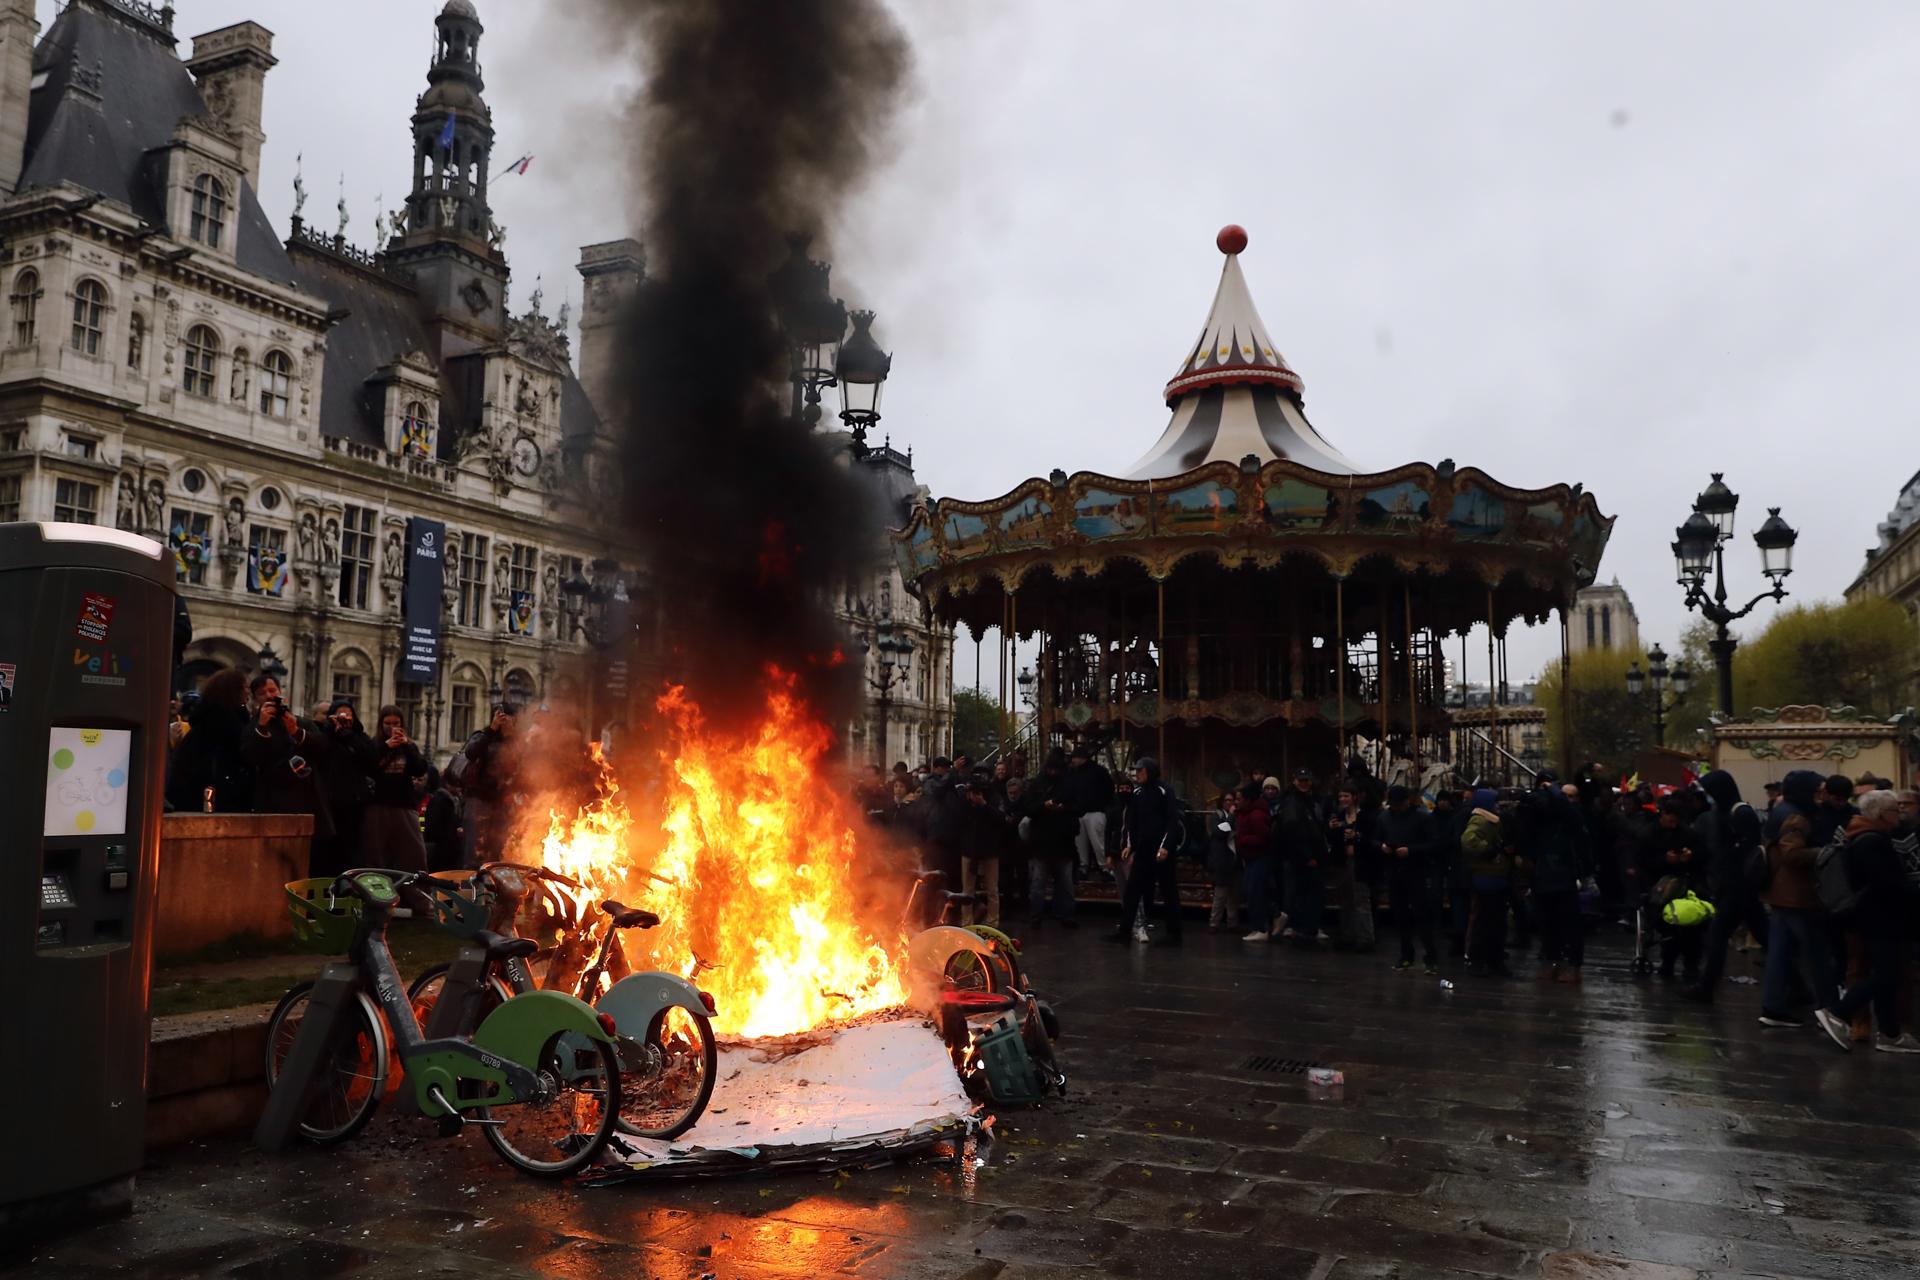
{"x":336,"y":989}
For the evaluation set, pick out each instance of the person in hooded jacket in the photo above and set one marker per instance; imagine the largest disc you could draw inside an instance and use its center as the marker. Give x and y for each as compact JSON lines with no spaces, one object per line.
{"x":1150,"y":864}
{"x":1730,"y":832}
{"x":213,"y":754}
{"x":1300,"y":824}
{"x":1404,"y":836}
{"x":1875,"y":872}
{"x":1484,"y":846}
{"x":1561,"y":858}
{"x":1252,"y":839}
{"x":1797,"y":932}
{"x":1052,"y":828}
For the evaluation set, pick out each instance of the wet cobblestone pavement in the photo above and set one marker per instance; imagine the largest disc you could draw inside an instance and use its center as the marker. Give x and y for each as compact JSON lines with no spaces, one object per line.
{"x":1498,"y":1129}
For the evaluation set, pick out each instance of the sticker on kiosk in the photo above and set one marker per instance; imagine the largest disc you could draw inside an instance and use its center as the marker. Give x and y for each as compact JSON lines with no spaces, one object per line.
{"x":6,"y":687}
{"x":96,"y":617}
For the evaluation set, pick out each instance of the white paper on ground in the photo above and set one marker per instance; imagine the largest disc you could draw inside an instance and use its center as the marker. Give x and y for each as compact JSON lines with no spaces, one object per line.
{"x":878,"y":1078}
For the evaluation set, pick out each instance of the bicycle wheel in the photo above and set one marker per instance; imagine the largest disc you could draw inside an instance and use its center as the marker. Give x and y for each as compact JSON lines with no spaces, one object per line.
{"x":662,"y":1096}
{"x":972,"y":971}
{"x":426,"y":989}
{"x":351,"y":1079}
{"x":568,"y":1124}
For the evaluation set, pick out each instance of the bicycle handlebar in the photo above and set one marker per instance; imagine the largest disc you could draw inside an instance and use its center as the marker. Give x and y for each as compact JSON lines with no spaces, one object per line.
{"x":529,"y":869}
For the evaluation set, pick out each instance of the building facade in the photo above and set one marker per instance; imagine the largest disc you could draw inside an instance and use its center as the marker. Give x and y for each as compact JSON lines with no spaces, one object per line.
{"x":1603,"y":618}
{"x":1892,"y":568}
{"x":278,"y":410}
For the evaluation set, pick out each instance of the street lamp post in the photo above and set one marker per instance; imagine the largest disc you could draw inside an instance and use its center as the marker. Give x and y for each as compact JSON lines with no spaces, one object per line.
{"x":895,"y":651}
{"x":1659,"y":677}
{"x":862,"y":373}
{"x":270,"y":664}
{"x":1700,"y":545}
{"x":814,"y":321}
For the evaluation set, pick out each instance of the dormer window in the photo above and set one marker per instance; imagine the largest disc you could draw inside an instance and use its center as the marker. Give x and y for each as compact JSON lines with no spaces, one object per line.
{"x":209,"y":210}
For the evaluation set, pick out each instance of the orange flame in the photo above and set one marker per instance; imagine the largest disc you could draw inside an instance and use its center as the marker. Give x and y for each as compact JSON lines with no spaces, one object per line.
{"x":756,"y":871}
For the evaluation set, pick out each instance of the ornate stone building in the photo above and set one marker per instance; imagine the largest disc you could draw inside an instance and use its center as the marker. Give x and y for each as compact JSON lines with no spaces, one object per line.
{"x":278,"y":410}
{"x":1893,"y":565}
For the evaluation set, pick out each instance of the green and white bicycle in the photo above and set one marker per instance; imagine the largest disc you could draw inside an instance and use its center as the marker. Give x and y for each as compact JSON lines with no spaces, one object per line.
{"x":540,"y":1073}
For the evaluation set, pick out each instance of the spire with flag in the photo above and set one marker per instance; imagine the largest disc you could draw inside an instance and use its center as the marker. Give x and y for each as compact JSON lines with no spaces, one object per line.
{"x":446,"y":133}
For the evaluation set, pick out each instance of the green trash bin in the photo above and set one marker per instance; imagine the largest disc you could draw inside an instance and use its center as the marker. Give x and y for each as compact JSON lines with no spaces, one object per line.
{"x":86,"y":658}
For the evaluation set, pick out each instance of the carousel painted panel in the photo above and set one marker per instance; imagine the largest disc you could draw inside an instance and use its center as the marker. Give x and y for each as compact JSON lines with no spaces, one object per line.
{"x":1203,"y":507}
{"x":965,"y":534}
{"x":1589,"y":540}
{"x":1024,"y":524}
{"x":1298,"y":506}
{"x":1478,"y":514}
{"x":1540,"y":524}
{"x":916,"y":552}
{"x":1404,"y":504}
{"x":1103,"y":513}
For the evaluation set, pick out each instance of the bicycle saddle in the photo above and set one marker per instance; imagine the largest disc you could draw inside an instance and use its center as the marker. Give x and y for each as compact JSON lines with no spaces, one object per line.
{"x":501,"y":947}
{"x":965,"y":897}
{"x":625,"y":917}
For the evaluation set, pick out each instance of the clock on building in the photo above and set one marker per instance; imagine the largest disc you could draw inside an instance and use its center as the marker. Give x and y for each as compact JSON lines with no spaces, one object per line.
{"x":526,"y":455}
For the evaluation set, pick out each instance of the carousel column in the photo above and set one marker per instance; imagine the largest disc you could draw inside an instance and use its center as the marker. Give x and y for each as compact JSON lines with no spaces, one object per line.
{"x":1340,"y":663}
{"x":1566,"y":696}
{"x":1160,"y":679}
{"x":1493,"y":694}
{"x":1413,"y":688}
{"x":1382,"y":675}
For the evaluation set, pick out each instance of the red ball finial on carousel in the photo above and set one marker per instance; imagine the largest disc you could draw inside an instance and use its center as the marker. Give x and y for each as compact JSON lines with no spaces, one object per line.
{"x":1232,"y":238}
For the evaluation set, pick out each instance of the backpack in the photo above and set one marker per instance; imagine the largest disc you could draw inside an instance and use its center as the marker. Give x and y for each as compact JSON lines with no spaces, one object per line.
{"x":1756,"y":868}
{"x":1832,"y":879}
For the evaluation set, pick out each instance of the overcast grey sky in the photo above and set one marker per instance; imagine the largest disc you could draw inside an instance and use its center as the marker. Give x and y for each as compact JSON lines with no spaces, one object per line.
{"x":1615,"y":242}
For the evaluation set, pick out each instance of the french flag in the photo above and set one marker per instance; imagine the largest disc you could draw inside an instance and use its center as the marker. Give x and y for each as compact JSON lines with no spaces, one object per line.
{"x":521,"y":165}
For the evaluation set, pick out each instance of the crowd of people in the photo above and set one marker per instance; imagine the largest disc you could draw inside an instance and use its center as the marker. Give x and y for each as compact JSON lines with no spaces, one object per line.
{"x":238,"y":746}
{"x":1823,"y":874}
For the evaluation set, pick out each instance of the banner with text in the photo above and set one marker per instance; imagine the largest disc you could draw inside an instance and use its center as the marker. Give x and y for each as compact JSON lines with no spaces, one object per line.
{"x":426,"y":575}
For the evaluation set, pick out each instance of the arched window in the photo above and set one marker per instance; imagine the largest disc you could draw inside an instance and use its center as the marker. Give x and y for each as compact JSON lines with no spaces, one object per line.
{"x":89,"y":316}
{"x":209,"y":210}
{"x":276,"y":382}
{"x":240,"y":380}
{"x":416,"y":431}
{"x":203,"y":351}
{"x":136,"y":341}
{"x":26,"y":301}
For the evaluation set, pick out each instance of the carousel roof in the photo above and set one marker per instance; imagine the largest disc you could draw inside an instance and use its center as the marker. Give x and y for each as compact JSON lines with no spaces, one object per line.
{"x":1235,"y":395}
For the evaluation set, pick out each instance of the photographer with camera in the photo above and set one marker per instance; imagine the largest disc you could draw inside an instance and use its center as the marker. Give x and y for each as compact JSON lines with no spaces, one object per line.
{"x":487,"y":783}
{"x":390,"y":827}
{"x":287,"y":755}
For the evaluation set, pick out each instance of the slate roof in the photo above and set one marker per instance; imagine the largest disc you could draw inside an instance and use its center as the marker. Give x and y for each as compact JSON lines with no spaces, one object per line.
{"x":382,"y":324}
{"x":102,"y":146}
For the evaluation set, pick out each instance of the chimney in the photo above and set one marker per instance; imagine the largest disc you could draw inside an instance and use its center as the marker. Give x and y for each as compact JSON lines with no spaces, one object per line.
{"x":231,"y":66}
{"x":18,"y":28}
{"x":612,"y":272}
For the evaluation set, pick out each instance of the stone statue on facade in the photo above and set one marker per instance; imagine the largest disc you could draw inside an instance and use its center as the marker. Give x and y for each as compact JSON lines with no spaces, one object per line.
{"x":396,"y":556}
{"x":124,"y":507}
{"x":235,"y":518}
{"x":153,"y":506}
{"x":299,"y":185}
{"x":307,"y":539}
{"x":501,"y":578}
{"x":330,"y":544}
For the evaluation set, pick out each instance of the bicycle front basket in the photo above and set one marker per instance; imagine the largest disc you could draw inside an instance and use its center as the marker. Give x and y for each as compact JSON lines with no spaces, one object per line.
{"x":460,"y":914}
{"x":320,"y":923}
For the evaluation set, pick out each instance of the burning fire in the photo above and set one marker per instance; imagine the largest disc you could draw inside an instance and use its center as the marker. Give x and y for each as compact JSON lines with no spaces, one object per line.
{"x":755,"y":871}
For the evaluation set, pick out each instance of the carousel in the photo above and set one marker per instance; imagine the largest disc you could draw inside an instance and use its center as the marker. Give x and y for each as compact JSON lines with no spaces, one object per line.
{"x":1245,"y":597}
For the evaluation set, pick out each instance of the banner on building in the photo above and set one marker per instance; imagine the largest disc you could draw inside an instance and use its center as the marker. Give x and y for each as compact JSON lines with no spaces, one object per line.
{"x":420,"y":603}
{"x":189,"y":550}
{"x":267,"y":571}
{"x":520,"y":614}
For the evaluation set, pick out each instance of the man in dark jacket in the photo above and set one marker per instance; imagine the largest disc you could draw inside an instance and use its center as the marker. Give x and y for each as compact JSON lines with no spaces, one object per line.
{"x":346,"y":776}
{"x":488,"y":784}
{"x":1406,"y":841}
{"x":1559,"y":857}
{"x":1046,"y":807}
{"x":1300,"y":826}
{"x":1797,"y":930}
{"x":1150,"y":865}
{"x":1875,"y":873}
{"x":1730,"y":831}
{"x":1088,"y":792}
{"x":390,"y":824}
{"x":286,"y":755}
{"x":946,"y":818}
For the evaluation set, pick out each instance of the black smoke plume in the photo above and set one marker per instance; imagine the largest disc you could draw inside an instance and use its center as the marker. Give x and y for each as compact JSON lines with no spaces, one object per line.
{"x":756,"y":120}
